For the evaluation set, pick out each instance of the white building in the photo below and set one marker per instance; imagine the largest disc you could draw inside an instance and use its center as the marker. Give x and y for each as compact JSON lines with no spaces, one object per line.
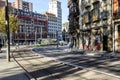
{"x":55,"y":8}
{"x":52,"y":25}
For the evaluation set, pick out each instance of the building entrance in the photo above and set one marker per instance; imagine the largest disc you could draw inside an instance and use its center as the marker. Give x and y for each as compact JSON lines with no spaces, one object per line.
{"x":105,"y":43}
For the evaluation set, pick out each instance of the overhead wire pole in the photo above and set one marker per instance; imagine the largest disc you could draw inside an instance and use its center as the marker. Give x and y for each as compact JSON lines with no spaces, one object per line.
{"x":57,"y":38}
{"x":112,"y":3}
{"x":35,"y":35}
{"x":7,"y":30}
{"x":41,"y":32}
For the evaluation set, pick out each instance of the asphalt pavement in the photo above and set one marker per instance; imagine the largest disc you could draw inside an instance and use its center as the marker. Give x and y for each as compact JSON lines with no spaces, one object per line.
{"x":105,"y":63}
{"x":51,"y":63}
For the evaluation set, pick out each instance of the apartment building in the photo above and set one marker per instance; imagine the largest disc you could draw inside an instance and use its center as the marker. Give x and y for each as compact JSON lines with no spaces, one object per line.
{"x":23,"y":5}
{"x":55,"y":8}
{"x":52,"y":25}
{"x":116,"y":25}
{"x":98,"y":24}
{"x":73,"y":18}
{"x":32,"y":26}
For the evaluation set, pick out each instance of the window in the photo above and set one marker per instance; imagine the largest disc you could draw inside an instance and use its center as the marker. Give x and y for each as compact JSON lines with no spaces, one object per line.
{"x":86,"y":17}
{"x":105,"y":1}
{"x":95,"y":14}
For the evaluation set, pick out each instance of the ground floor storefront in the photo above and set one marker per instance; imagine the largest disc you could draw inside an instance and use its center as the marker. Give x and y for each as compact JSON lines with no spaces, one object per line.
{"x":97,"y":38}
{"x":116,"y":36}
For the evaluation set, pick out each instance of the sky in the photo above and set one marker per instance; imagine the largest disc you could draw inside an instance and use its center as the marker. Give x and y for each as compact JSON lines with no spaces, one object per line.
{"x":42,"y":6}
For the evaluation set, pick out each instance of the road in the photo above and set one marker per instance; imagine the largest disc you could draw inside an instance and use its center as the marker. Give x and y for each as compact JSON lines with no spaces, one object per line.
{"x":109,"y":66}
{"x":43,"y":68}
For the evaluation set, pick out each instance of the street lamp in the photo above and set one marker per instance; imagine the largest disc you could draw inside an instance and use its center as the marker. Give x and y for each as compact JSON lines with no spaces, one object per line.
{"x":7,"y":30}
{"x":35,"y":35}
{"x":113,"y":26}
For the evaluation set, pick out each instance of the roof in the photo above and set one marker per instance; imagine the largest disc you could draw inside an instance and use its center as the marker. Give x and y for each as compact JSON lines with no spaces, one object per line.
{"x":47,"y":13}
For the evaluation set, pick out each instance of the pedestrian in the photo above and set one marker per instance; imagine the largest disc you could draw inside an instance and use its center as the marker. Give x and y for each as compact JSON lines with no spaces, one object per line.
{"x":86,"y":44}
{"x":89,"y":44}
{"x":0,"y":47}
{"x":71,"y":45}
{"x":17,"y":45}
{"x":97,"y":43}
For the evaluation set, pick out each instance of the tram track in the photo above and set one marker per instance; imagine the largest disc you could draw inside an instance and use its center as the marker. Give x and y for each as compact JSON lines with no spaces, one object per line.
{"x":41,"y":68}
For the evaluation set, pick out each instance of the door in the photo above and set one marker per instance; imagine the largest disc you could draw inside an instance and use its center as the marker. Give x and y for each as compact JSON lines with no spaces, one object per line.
{"x":105,"y":43}
{"x":118,"y":39}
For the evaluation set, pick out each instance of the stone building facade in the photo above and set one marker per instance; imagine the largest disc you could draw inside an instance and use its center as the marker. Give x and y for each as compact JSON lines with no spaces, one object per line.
{"x":98,"y":27}
{"x":97,"y":24}
{"x":73,"y":18}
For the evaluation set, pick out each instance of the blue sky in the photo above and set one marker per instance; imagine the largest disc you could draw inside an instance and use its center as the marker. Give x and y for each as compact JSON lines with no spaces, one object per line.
{"x":42,"y":6}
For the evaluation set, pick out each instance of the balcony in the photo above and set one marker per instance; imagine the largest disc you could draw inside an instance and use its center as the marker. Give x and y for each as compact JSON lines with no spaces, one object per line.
{"x":95,"y":18}
{"x":104,"y":15}
{"x":87,"y":17}
{"x":74,"y":11}
{"x":95,"y":1}
{"x":116,"y":15}
{"x":95,"y":15}
{"x":86,"y":4}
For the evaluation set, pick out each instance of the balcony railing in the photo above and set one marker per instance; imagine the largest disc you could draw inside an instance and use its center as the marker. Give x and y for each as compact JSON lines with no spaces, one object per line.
{"x":87,"y":17}
{"x":95,"y":15}
{"x":86,"y":4}
{"x":95,"y":1}
{"x":104,"y":15}
{"x":116,"y":15}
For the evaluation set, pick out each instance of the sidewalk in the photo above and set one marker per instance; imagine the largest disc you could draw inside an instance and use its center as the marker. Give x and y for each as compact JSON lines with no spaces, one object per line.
{"x":38,"y":66}
{"x":95,"y":53}
{"x":10,"y":70}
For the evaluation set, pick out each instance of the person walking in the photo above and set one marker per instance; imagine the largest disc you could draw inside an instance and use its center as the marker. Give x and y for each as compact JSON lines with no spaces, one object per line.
{"x":97,"y":43}
{"x":86,"y":44}
{"x":89,"y":44}
{"x":17,"y":45}
{"x":0,"y":47}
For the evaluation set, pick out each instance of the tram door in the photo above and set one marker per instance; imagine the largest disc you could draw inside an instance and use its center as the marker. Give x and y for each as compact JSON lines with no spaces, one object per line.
{"x":118,"y":39}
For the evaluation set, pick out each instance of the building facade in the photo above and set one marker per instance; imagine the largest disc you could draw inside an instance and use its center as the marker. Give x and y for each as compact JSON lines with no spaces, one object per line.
{"x":98,"y":24}
{"x":32,"y":26}
{"x":65,"y":29}
{"x":116,"y":25}
{"x":23,"y":5}
{"x":52,"y":25}
{"x":74,"y":28}
{"x":55,"y":8}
